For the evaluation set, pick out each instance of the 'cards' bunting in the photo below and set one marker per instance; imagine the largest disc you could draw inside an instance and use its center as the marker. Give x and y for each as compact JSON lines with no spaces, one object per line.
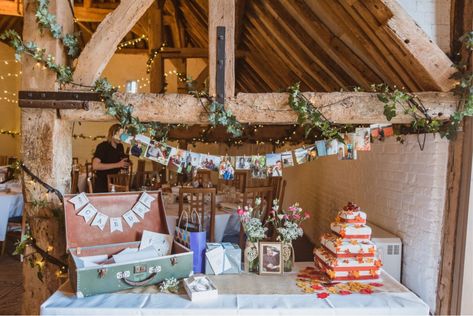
{"x":116,"y":224}
{"x":89,"y":212}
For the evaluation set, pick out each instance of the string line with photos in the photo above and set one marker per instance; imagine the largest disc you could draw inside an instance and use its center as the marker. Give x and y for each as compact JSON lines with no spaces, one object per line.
{"x":260,"y":166}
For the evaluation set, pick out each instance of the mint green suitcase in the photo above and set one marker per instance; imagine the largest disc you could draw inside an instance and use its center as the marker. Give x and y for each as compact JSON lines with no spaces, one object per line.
{"x":86,"y":240}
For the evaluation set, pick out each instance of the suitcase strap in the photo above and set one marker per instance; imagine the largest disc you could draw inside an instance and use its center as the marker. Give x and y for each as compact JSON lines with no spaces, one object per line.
{"x":140,"y":283}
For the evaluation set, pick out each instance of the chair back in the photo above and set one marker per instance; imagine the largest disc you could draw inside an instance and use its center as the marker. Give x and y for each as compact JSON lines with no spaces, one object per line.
{"x":203,"y":176}
{"x":3,"y":160}
{"x":276,"y":184}
{"x":150,"y":179}
{"x":238,"y":182}
{"x":75,"y":181}
{"x":201,"y":200}
{"x":90,"y":187}
{"x":120,"y":181}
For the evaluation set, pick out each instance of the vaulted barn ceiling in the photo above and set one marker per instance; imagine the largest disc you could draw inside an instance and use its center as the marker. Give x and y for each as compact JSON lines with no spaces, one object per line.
{"x":326,"y":45}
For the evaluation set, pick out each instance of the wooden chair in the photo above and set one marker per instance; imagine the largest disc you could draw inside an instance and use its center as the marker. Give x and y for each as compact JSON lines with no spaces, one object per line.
{"x":144,"y":177}
{"x":75,"y":161}
{"x":3,"y":160}
{"x":276,"y":184}
{"x":196,"y":202}
{"x":74,"y":181}
{"x":249,"y":198}
{"x":238,"y":182}
{"x":203,"y":176}
{"x":121,"y":181}
{"x":90,"y":187}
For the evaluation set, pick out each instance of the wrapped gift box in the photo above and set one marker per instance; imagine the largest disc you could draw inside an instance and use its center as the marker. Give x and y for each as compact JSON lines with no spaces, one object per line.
{"x":222,"y":258}
{"x":200,"y":288}
{"x":91,"y":268}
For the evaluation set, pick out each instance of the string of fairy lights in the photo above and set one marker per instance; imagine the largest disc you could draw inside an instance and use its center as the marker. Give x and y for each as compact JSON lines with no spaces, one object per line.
{"x":132,"y":42}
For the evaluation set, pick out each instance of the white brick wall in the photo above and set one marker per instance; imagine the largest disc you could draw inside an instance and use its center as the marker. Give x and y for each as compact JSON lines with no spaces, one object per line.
{"x":402,"y":190}
{"x":433,"y":16}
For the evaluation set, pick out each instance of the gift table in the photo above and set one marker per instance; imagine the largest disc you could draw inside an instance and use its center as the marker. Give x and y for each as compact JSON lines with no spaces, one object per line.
{"x":245,"y":294}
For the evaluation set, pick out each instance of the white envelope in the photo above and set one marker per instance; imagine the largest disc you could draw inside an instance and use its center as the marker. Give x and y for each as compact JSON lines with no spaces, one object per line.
{"x":162,"y":243}
{"x":147,"y":253}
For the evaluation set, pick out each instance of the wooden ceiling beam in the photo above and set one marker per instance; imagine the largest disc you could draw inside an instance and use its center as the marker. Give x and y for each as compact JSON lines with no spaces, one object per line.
{"x":12,"y":8}
{"x":323,"y":62}
{"x":194,"y":27}
{"x":287,"y":54}
{"x":101,"y":47}
{"x":263,"y":108}
{"x":304,"y":20}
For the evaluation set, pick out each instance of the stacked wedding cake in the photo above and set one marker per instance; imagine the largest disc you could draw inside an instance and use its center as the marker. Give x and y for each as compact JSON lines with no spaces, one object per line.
{"x":347,"y":253}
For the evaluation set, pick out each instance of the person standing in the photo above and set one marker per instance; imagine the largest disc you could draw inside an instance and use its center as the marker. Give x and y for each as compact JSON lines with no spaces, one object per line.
{"x":109,"y":158}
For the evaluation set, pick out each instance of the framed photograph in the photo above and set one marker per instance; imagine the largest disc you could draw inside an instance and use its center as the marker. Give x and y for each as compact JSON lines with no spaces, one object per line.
{"x":270,"y":258}
{"x":274,"y":164}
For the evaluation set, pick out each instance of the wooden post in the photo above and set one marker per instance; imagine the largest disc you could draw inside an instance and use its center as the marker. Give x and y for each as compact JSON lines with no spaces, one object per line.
{"x":181,"y":68}
{"x":46,"y":150}
{"x":222,"y":13}
{"x":156,"y":39}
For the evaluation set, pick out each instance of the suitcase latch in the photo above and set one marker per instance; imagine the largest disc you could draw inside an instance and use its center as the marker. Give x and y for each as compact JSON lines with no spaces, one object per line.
{"x":140,"y":268}
{"x":173,"y":261}
{"x":102,"y":273}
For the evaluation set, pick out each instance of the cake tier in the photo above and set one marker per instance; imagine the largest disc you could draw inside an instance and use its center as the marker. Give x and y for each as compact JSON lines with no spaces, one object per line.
{"x":357,"y":217}
{"x":351,"y":231}
{"x":348,"y":248}
{"x":345,"y":269}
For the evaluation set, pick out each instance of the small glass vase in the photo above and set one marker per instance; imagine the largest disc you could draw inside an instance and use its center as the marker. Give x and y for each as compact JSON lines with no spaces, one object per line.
{"x":251,"y":257}
{"x":287,"y":256}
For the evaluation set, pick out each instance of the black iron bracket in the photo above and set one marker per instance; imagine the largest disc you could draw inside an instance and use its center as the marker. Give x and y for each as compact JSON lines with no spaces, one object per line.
{"x":220,"y":75}
{"x":56,"y":99}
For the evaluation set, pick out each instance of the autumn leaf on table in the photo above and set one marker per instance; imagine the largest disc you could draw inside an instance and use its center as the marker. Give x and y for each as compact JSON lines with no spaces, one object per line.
{"x":343,"y":292}
{"x":376,"y":284}
{"x":366,"y":291}
{"x":323,"y":295}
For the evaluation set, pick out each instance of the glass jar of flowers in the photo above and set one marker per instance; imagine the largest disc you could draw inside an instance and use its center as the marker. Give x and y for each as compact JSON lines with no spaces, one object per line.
{"x":287,"y":227}
{"x":250,"y":219}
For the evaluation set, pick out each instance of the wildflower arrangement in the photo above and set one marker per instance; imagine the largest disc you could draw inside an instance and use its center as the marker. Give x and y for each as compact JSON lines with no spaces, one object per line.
{"x":251,"y":222}
{"x":170,"y":285}
{"x":287,"y":223}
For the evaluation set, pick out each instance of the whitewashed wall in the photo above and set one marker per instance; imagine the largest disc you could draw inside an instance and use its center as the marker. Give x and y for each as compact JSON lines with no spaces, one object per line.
{"x":433,"y":16}
{"x":402,"y":190}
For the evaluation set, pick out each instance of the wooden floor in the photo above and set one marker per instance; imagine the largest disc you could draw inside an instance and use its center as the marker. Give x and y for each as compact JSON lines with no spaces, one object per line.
{"x":11,"y":287}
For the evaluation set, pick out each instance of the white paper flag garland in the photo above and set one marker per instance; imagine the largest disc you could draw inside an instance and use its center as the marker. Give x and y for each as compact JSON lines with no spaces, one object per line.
{"x":79,"y":200}
{"x":130,"y":218}
{"x":88,"y":212}
{"x":116,"y":224}
{"x":100,"y":220}
{"x":146,"y":199}
{"x":140,"y":210}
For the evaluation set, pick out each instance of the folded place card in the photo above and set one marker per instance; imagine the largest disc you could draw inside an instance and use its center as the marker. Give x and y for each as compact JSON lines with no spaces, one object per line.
{"x":162,"y":243}
{"x":140,"y":209}
{"x":216,"y":259}
{"x":79,"y":200}
{"x":146,"y":199}
{"x":100,"y":220}
{"x":116,"y":224}
{"x":88,"y":212}
{"x":130,"y":218}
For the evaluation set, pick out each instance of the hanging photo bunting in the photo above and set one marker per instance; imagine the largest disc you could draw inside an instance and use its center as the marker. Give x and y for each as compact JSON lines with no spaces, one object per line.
{"x":140,"y":209}
{"x":79,"y":200}
{"x":362,"y":139}
{"x":146,"y":199}
{"x":88,"y":212}
{"x":116,"y":224}
{"x":100,"y":220}
{"x":130,"y":218}
{"x":287,"y":160}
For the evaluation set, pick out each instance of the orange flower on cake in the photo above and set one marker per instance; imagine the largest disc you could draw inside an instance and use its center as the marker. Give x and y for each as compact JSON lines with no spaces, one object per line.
{"x":354,"y":242}
{"x":378,"y":263}
{"x":373,"y":273}
{"x":330,"y":273}
{"x":355,"y":274}
{"x":359,"y":259}
{"x":372,"y":250}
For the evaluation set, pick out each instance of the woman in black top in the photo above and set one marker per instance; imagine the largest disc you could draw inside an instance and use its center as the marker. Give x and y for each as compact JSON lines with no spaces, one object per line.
{"x":109,"y":158}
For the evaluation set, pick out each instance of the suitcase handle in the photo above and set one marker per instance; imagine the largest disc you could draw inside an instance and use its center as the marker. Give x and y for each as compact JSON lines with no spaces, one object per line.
{"x":140,"y":283}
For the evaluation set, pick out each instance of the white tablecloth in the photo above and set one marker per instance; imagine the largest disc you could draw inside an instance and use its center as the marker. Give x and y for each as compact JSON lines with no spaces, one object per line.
{"x":404,"y":302}
{"x":11,"y":205}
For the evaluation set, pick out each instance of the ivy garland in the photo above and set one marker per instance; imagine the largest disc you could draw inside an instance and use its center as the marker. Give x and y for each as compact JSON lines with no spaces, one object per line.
{"x":46,"y":20}
{"x":63,"y":73}
{"x":309,"y":116}
{"x":423,"y":122}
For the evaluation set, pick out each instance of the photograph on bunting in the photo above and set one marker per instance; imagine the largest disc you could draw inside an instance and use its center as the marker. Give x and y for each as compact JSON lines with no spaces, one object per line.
{"x":362,"y":139}
{"x":380,"y":131}
{"x":331,"y":147}
{"x":177,"y":160}
{"x":349,"y":152}
{"x":243,"y":162}
{"x":287,"y":160}
{"x":226,"y":170}
{"x":159,"y":152}
{"x":304,"y":154}
{"x":140,"y":146}
{"x":191,"y":163}
{"x":209,"y":162}
{"x":258,"y":167}
{"x":274,"y":165}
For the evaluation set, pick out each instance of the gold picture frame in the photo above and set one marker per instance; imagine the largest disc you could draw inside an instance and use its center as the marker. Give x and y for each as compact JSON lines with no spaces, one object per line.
{"x":270,"y":258}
